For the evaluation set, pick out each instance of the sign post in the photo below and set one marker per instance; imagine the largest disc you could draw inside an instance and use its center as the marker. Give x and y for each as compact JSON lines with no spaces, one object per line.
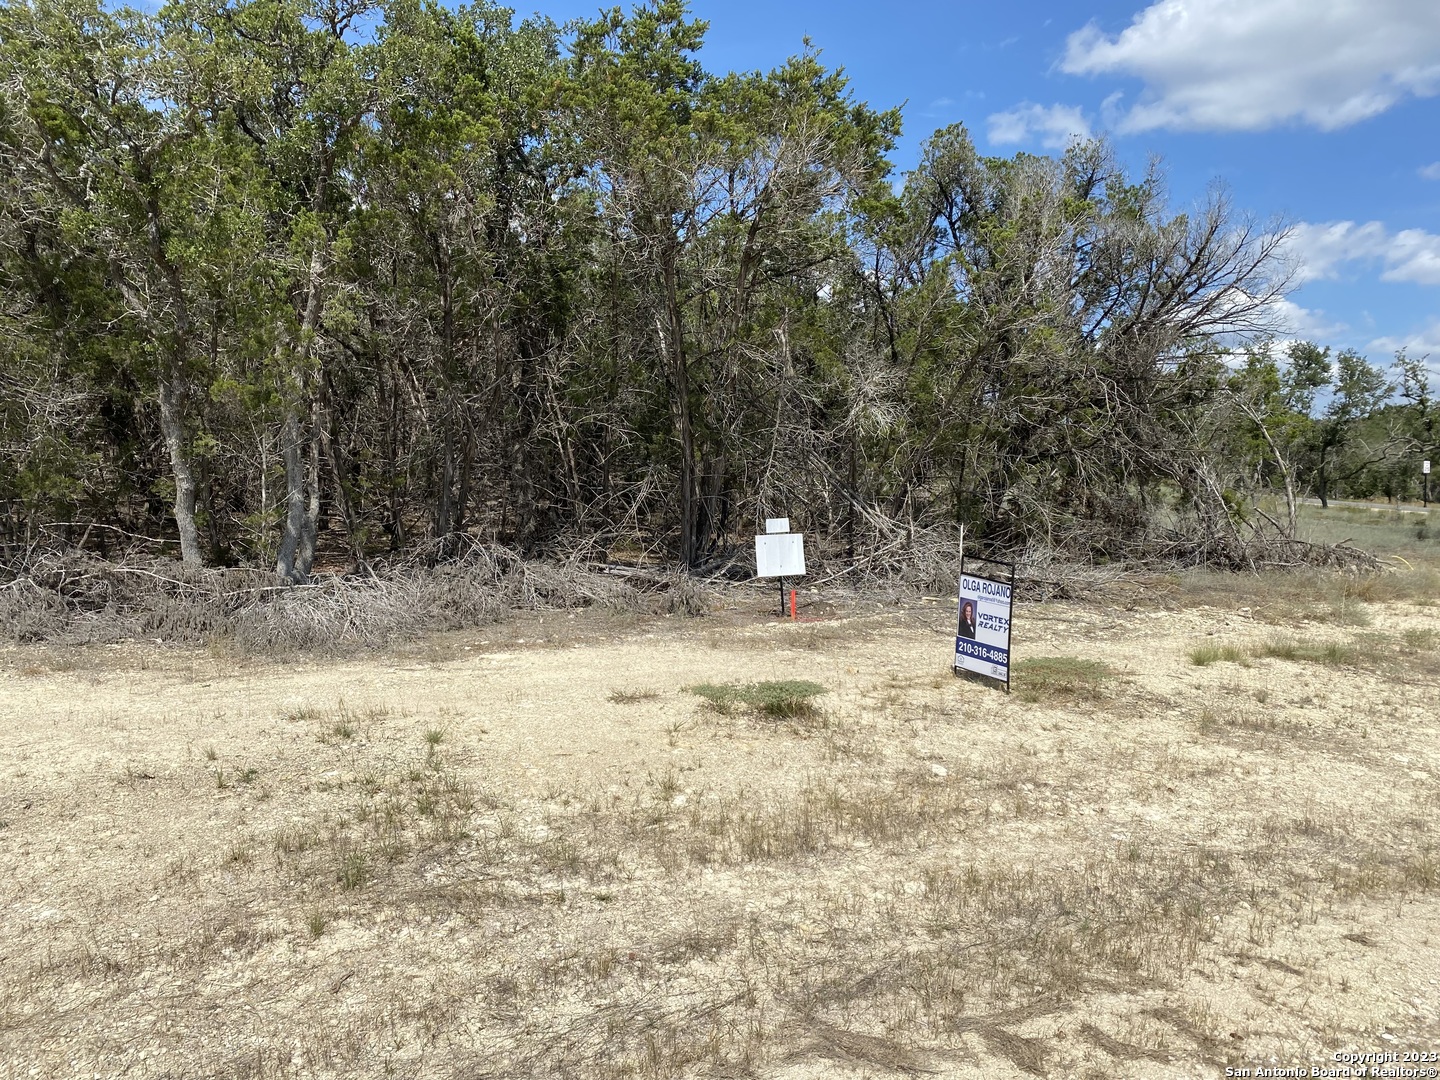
{"x":1425,"y":481}
{"x":982,"y":639}
{"x":779,"y":553}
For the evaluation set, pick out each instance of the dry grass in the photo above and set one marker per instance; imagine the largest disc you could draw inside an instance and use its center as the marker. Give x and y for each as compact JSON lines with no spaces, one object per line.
{"x":785,"y":699}
{"x":79,"y":599}
{"x":1207,"y":654}
{"x":1061,"y":679}
{"x":633,"y":696}
{"x":1094,"y":876}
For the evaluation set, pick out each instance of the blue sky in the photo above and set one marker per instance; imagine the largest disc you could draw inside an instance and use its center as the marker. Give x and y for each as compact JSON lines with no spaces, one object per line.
{"x":1323,"y":112}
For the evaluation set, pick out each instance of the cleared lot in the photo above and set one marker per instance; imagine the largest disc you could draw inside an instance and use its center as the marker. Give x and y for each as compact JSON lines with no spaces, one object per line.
{"x":1202,"y":831}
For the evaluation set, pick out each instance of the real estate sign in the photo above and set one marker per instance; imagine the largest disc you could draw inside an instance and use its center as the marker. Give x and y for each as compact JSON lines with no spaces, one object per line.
{"x":982,"y":641}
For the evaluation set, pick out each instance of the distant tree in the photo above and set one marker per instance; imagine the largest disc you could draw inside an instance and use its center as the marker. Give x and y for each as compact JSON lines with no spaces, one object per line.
{"x":1420,"y":408}
{"x":1069,"y":359}
{"x":1276,"y":405}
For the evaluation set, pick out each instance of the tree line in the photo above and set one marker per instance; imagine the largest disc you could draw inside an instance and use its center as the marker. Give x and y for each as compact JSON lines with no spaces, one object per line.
{"x":283,"y":274}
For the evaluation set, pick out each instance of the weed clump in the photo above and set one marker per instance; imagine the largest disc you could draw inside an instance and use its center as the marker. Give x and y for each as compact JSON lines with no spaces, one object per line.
{"x":1364,"y":650}
{"x":1327,"y":654}
{"x":1423,"y":639}
{"x":786,"y":699}
{"x":1061,"y":678}
{"x":353,"y":871}
{"x":633,"y":697}
{"x":1205,"y":655}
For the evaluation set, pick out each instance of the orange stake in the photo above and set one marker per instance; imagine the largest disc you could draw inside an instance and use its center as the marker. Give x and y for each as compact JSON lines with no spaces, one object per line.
{"x":792,"y":603}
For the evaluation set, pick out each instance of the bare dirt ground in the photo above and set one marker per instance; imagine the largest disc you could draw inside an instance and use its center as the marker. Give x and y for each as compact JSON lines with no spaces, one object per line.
{"x":530,"y":851}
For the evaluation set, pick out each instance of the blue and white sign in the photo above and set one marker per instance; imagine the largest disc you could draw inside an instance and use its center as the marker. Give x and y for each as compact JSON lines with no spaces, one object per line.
{"x":982,"y":640}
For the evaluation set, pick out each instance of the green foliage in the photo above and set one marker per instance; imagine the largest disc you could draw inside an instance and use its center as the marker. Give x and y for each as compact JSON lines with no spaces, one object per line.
{"x":273,"y":270}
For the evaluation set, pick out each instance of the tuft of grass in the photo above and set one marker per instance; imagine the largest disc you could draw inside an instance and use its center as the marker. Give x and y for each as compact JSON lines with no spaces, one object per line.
{"x":1216,"y":720}
{"x":632,"y":697}
{"x":316,"y":924}
{"x":1207,"y":654}
{"x":1060,"y":678}
{"x":1348,"y":610}
{"x":785,"y":699}
{"x":1421,"y":638}
{"x":434,"y":737}
{"x":301,"y":715}
{"x":342,"y":723}
{"x":295,"y":838}
{"x":342,"y":731}
{"x":1299,"y":650}
{"x":353,"y":871}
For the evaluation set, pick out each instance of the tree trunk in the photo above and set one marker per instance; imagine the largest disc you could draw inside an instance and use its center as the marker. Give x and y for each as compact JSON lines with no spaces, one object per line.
{"x":297,"y":540}
{"x":447,"y":475}
{"x":291,"y":450}
{"x":344,"y":496}
{"x":185,"y":487}
{"x":673,"y":347}
{"x":467,"y":462}
{"x":712,"y":512}
{"x":854,"y":494}
{"x":309,"y":533}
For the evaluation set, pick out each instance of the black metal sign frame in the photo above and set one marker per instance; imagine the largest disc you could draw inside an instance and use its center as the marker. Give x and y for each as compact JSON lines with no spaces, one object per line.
{"x":975,"y":676}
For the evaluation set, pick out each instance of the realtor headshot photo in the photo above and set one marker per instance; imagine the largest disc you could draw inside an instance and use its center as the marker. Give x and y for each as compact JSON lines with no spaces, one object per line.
{"x":967,"y":618}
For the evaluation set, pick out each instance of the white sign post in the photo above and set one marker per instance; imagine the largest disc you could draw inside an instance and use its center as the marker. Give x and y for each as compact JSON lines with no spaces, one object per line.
{"x":1425,"y":482}
{"x":982,"y":639}
{"x":779,"y":553}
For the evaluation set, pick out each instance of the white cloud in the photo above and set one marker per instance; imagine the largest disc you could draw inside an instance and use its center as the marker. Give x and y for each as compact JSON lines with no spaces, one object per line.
{"x":1320,"y":250}
{"x":1431,"y":171}
{"x":1056,"y":126}
{"x":1246,"y":65}
{"x":1421,"y":344}
{"x":1414,"y":255}
{"x":1301,"y":323}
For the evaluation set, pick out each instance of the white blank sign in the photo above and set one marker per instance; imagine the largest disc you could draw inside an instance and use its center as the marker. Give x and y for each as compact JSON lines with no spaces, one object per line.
{"x":780,"y":555}
{"x":777,"y":525}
